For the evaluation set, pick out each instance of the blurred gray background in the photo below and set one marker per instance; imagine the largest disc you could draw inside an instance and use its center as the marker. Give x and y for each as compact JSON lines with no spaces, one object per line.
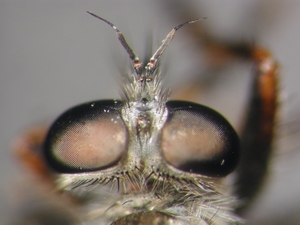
{"x":53,"y":55}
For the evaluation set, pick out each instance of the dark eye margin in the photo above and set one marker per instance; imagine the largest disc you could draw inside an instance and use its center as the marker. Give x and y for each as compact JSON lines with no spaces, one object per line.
{"x":86,"y":111}
{"x":219,"y":165}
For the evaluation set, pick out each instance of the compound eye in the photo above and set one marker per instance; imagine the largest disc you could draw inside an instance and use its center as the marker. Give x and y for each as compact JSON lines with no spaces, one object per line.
{"x":197,"y":139}
{"x":87,"y":137}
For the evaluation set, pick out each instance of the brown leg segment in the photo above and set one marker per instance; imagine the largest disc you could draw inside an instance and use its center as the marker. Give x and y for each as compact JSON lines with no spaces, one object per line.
{"x":258,"y":133}
{"x":28,"y":150}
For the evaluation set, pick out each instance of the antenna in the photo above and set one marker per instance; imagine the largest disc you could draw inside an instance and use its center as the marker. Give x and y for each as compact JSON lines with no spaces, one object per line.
{"x":152,"y":65}
{"x":135,"y":60}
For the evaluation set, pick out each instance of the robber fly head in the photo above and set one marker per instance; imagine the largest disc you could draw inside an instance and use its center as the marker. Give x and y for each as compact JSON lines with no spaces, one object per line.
{"x":143,"y":132}
{"x":154,"y":154}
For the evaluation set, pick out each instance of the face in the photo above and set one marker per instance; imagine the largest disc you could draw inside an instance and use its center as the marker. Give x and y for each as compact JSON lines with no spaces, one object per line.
{"x":154,"y":157}
{"x":144,"y":158}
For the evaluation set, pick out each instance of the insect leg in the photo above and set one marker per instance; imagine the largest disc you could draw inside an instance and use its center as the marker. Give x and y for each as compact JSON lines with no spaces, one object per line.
{"x":258,"y":133}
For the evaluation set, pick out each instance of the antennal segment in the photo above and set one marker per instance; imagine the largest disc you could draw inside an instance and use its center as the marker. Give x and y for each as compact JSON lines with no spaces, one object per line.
{"x":135,"y":60}
{"x":151,"y":66}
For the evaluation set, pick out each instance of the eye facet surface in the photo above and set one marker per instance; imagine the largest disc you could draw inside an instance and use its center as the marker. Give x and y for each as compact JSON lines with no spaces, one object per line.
{"x":88,"y":137}
{"x":199,"y":140}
